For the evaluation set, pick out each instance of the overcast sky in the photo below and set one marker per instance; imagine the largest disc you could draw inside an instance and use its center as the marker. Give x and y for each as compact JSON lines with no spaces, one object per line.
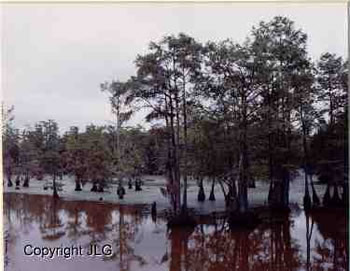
{"x":54,"y":56}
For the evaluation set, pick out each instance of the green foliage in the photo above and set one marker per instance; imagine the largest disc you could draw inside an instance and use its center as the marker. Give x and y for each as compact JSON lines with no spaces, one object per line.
{"x":224,"y":110}
{"x":332,"y":79}
{"x":10,"y":142}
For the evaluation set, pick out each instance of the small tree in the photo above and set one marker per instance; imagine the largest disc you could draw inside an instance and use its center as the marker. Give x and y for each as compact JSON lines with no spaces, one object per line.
{"x":76,"y":156}
{"x":98,"y":156}
{"x":10,"y":143}
{"x":48,"y":141}
{"x":29,"y":157}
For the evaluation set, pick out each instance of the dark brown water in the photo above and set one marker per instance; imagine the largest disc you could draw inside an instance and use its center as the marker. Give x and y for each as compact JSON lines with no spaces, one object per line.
{"x":297,"y":242}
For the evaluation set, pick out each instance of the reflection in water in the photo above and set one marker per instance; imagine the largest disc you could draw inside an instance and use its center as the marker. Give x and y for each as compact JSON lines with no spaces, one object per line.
{"x":331,"y":250}
{"x":300,"y":241}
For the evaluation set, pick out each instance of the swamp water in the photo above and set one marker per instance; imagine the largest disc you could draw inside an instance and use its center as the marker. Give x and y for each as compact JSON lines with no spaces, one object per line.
{"x":316,"y":241}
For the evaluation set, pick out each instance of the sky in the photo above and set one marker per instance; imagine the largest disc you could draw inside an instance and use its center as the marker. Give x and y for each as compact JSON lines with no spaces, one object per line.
{"x":55,"y":56}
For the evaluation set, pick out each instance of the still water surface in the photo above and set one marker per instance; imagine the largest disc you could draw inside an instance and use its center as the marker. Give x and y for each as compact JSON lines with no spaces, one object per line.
{"x":296,"y":242}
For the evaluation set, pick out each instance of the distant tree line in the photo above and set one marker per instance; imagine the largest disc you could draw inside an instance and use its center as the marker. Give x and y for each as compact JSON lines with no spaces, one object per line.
{"x":226,"y":112}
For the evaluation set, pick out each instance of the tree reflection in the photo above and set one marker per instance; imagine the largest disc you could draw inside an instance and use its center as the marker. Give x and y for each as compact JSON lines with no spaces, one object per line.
{"x":331,"y":250}
{"x":179,"y":254}
{"x":211,"y":246}
{"x":309,"y":229}
{"x":101,"y":223}
{"x":74,"y":227}
{"x":53,"y":228}
{"x":125,"y":230}
{"x":269,"y":247}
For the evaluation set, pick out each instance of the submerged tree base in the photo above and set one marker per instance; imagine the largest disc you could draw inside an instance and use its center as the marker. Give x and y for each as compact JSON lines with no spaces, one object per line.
{"x":77,"y":187}
{"x":182,"y":220}
{"x":245,"y":220}
{"x":55,"y":195}
{"x":94,"y":188}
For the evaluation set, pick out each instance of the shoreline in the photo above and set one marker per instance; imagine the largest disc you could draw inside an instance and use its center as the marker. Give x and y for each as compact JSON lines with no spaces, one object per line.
{"x":151,"y":193}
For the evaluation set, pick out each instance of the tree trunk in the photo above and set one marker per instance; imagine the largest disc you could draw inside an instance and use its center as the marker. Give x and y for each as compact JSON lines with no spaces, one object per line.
{"x":327,"y":196}
{"x":270,"y":150}
{"x":201,"y":193}
{"x":307,"y":198}
{"x":242,"y":186}
{"x":138,"y":185}
{"x":130,"y":183}
{"x":55,"y":194}
{"x":315,"y":198}
{"x":169,"y":162}
{"x":285,"y":189}
{"x":174,"y":164}
{"x":308,"y":240}
{"x":26,"y":180}
{"x":94,"y":187}
{"x":212,"y":195}
{"x":335,"y":200}
{"x":9,"y":181}
{"x":243,"y":172}
{"x":184,"y":111}
{"x":100,"y":188}
{"x":18,"y":181}
{"x":77,"y":184}
{"x":251,"y":183}
{"x":232,"y":196}
{"x":345,"y":194}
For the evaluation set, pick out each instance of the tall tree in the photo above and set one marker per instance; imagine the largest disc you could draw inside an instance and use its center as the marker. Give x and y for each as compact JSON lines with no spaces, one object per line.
{"x":164,"y":82}
{"x":118,"y":93}
{"x":281,"y":52}
{"x":331,"y":140}
{"x":307,"y":117}
{"x":332,"y":77}
{"x":232,"y":85}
